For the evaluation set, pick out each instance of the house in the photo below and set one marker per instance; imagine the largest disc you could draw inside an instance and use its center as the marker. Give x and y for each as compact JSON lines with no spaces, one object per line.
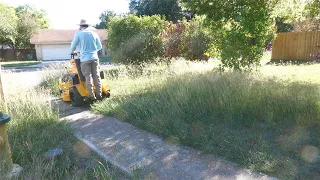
{"x":51,"y":44}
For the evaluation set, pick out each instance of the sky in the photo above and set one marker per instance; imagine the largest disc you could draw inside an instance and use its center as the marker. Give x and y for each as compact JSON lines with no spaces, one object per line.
{"x":66,"y":14}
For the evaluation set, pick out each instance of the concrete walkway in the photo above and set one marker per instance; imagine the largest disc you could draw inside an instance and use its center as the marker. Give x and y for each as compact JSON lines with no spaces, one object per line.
{"x":132,"y":149}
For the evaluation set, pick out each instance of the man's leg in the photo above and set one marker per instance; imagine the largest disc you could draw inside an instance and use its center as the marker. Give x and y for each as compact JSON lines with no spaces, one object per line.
{"x":97,"y":79}
{"x":86,"y":71}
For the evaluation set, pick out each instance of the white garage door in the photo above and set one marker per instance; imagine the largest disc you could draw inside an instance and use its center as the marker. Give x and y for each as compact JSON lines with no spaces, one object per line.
{"x":56,"y":52}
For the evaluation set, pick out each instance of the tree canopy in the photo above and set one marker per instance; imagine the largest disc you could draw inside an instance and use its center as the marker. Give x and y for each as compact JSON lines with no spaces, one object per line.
{"x":289,"y":10}
{"x":168,"y":8}
{"x":313,"y":9}
{"x":105,"y":18}
{"x":240,"y":28}
{"x":19,"y":24}
{"x":8,"y":23}
{"x":40,"y":16}
{"x":29,"y":22}
{"x":297,"y":15}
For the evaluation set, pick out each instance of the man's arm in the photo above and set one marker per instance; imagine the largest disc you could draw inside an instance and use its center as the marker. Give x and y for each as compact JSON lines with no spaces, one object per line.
{"x":75,"y":42}
{"x":98,"y":43}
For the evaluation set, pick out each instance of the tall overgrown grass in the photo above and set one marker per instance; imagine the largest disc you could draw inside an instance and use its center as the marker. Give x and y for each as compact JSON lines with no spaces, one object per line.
{"x":267,"y":120}
{"x":35,"y":128}
{"x":267,"y":124}
{"x":51,"y":75}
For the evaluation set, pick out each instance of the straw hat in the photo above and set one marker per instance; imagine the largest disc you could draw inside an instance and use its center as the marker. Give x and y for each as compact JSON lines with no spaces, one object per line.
{"x":83,"y":22}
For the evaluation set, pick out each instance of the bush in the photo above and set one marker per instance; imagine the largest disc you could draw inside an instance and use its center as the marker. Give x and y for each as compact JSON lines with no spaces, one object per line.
{"x":197,"y":40}
{"x":186,"y":39}
{"x":135,"y":40}
{"x":174,"y":39}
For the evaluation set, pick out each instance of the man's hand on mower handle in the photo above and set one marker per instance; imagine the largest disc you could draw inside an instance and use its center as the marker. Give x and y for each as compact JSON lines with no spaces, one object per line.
{"x":74,"y":53}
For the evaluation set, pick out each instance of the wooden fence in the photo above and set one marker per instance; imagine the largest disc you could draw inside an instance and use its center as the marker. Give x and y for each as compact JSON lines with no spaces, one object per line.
{"x":17,"y":54}
{"x":300,"y":46}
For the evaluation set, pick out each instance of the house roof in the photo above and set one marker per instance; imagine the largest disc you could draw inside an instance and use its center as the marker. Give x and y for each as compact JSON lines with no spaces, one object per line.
{"x":45,"y":36}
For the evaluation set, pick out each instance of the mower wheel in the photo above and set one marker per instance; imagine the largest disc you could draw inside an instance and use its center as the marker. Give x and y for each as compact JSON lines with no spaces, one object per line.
{"x":75,"y":97}
{"x":104,"y":95}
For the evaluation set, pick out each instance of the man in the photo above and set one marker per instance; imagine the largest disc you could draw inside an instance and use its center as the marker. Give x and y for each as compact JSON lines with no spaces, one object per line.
{"x":90,"y":44}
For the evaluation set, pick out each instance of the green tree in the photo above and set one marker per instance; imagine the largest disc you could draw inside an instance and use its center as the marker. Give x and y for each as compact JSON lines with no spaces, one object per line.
{"x":240,"y":28}
{"x":283,"y":26}
{"x":105,"y":19}
{"x":30,"y":21}
{"x":8,"y":25}
{"x":168,"y":8}
{"x":133,"y":5}
{"x":295,"y":15}
{"x":289,"y":10}
{"x":313,"y":8}
{"x":311,"y":19}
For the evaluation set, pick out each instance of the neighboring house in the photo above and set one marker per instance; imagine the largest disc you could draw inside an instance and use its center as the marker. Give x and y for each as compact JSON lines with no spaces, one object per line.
{"x":53,"y":44}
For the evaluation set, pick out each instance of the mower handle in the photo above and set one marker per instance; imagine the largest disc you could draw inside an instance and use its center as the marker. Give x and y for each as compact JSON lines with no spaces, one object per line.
{"x":74,"y":54}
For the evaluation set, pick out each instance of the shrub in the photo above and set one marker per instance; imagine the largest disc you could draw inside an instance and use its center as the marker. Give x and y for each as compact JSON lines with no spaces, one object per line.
{"x":174,"y":39}
{"x":188,"y":39}
{"x":197,"y":40}
{"x":135,"y":40}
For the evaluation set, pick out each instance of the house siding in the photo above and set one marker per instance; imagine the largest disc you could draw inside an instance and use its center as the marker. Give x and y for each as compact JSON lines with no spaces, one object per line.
{"x":41,"y":56}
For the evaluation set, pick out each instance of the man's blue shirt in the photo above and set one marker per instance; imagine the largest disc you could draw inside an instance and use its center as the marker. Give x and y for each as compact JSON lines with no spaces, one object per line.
{"x":90,"y":44}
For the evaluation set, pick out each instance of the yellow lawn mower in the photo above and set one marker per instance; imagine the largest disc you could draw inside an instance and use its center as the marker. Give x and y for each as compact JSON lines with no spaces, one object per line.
{"x":72,"y":86}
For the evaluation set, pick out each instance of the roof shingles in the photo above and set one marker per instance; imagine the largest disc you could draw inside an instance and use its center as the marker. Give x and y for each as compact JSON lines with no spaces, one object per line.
{"x":48,"y":36}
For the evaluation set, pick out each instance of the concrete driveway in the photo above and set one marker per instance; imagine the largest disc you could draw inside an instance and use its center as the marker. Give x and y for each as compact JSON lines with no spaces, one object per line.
{"x":13,"y":81}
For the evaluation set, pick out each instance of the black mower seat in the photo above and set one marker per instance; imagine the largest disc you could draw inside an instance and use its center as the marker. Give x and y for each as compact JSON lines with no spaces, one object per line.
{"x":79,"y":70}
